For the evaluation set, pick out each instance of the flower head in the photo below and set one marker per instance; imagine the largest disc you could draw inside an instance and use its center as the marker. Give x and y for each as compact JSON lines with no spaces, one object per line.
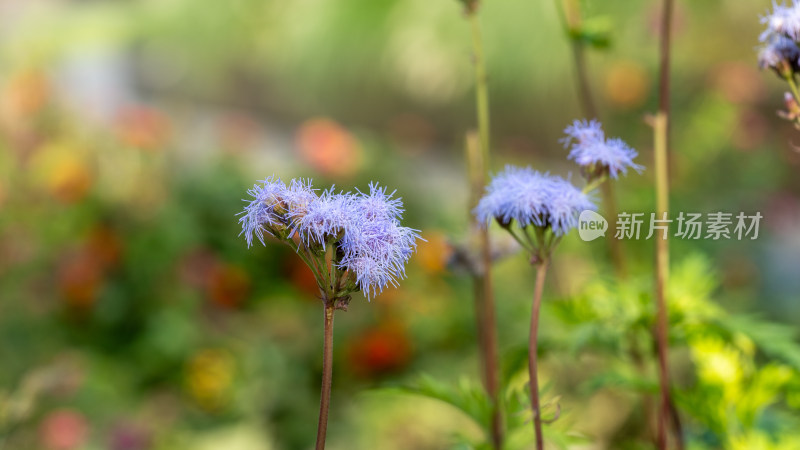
{"x":326,"y":218}
{"x":780,"y":54}
{"x":532,"y":198}
{"x":261,"y":210}
{"x":370,"y":247}
{"x":375,"y":246}
{"x":583,"y":132}
{"x":595,"y":154}
{"x":566,"y":204}
{"x":298,"y":196}
{"x":520,"y":194}
{"x":784,"y":20}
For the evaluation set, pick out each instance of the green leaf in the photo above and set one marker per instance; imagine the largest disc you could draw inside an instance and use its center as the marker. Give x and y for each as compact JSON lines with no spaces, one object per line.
{"x":467,"y":397}
{"x":595,"y":32}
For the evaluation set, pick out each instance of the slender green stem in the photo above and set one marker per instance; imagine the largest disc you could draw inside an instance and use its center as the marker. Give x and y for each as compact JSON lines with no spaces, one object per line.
{"x":301,"y":251}
{"x":793,"y":86}
{"x":614,"y":244}
{"x":594,"y":184}
{"x":481,"y":88}
{"x":662,"y":276}
{"x":533,"y":346}
{"x":528,"y":246}
{"x":484,"y":297}
{"x":327,"y":375}
{"x":667,"y":408}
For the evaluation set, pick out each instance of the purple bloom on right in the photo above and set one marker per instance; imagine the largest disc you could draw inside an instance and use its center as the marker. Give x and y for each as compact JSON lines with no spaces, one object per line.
{"x":596,"y":155}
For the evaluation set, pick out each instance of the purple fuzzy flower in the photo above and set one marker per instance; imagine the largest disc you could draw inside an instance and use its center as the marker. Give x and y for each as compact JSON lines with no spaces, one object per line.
{"x":260,"y":211}
{"x":375,"y":246}
{"x":565,"y":206}
{"x":532,"y":198}
{"x":520,"y":194}
{"x":594,"y":153}
{"x":364,"y":230}
{"x":783,"y":21}
{"x":327,"y":217}
{"x":779,"y":49}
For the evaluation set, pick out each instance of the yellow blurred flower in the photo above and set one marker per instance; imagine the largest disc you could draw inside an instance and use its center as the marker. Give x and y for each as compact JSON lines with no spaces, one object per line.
{"x":433,"y":255}
{"x":209,"y":377}
{"x":62,"y":170}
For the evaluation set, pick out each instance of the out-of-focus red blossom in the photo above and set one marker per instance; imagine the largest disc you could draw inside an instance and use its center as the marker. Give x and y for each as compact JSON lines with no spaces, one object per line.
{"x":738,"y":82}
{"x":224,"y":284}
{"x":64,"y":430}
{"x":105,"y":245}
{"x":379,"y":351}
{"x":143,"y":127}
{"x":228,"y":286}
{"x":329,"y":148}
{"x":129,"y":436}
{"x":413,"y":132}
{"x":434,"y":253}
{"x":82,"y":271}
{"x":238,"y":132}
{"x":751,"y":131}
{"x":79,"y":279}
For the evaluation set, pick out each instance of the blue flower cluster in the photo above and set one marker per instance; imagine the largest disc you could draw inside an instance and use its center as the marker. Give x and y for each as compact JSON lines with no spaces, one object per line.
{"x":370,"y":247}
{"x":780,"y":51}
{"x":532,"y":198}
{"x":596,"y":155}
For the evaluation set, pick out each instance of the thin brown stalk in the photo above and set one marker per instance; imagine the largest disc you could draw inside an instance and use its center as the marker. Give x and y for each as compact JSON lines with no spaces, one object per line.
{"x":661,"y":127}
{"x":484,"y":298}
{"x":533,"y":346}
{"x":327,"y":375}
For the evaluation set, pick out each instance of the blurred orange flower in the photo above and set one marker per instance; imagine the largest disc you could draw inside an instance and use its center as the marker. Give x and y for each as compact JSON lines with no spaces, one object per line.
{"x":82,"y":271}
{"x":627,"y":84}
{"x":434,"y":254}
{"x":143,"y":127}
{"x":24,"y":95}
{"x":329,"y":148}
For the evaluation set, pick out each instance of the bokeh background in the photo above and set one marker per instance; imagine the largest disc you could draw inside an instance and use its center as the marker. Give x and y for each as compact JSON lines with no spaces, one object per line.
{"x":133,"y":316}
